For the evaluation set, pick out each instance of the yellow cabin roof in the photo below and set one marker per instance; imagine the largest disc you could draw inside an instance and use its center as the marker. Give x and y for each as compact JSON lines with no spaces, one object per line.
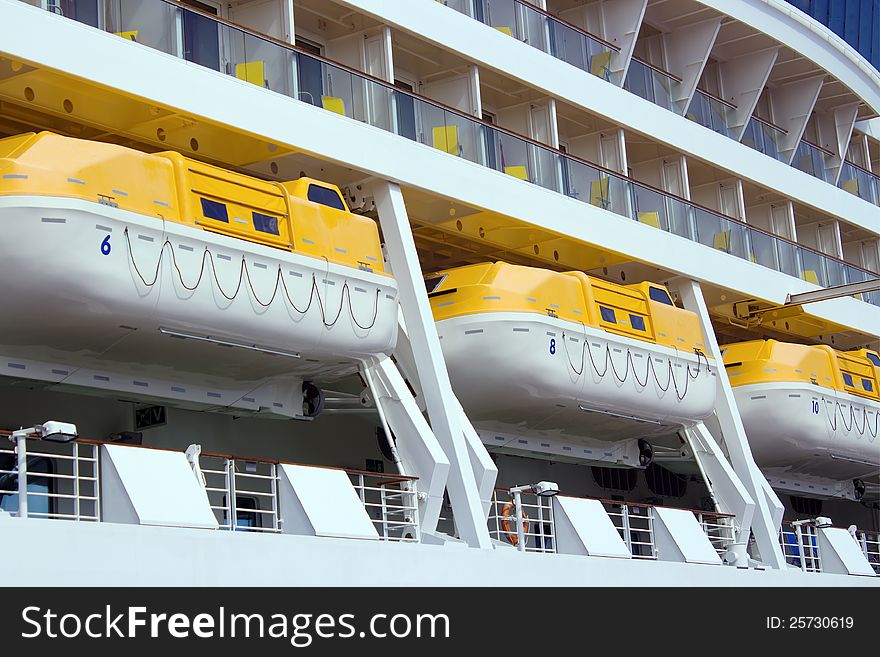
{"x":306,"y":216}
{"x":643,"y":311}
{"x":771,"y":361}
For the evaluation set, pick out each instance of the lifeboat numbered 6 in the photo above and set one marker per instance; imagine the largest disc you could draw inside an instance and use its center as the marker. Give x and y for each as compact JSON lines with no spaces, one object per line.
{"x":110,"y":253}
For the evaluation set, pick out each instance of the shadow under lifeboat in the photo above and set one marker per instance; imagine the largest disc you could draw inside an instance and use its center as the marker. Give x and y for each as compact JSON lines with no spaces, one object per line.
{"x":808,"y":409}
{"x":545,"y":356}
{"x":161,"y":275}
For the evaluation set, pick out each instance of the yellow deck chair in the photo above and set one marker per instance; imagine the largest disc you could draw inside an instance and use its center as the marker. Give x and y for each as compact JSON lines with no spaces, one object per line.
{"x":506,"y":30}
{"x":446,"y":139}
{"x":253,"y":72}
{"x":599,"y":193}
{"x":333,"y":104}
{"x":810,"y":276}
{"x":517,"y":171}
{"x":131,"y":35}
{"x":722,"y":241}
{"x":650,"y":218}
{"x":600,"y":65}
{"x":851,"y":186}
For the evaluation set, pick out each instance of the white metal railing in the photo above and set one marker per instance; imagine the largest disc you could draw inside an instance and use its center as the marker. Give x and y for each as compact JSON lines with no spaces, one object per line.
{"x":531,"y":530}
{"x":635,"y":523}
{"x":870,"y":544}
{"x":242,"y":493}
{"x":44,"y":479}
{"x":391,"y":502}
{"x":719,"y":528}
{"x":800,"y":546}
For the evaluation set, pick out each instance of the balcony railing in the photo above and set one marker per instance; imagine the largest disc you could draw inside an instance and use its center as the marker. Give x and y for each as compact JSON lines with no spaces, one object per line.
{"x":652,"y":84}
{"x":286,"y":69}
{"x":813,"y":160}
{"x":712,"y":112}
{"x":859,"y":182}
{"x":764,"y":137}
{"x":545,"y":32}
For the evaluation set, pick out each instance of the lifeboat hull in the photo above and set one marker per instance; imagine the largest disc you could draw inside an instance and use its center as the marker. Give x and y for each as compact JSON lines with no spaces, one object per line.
{"x":530,"y":374}
{"x":800,"y":428}
{"x":90,"y":285}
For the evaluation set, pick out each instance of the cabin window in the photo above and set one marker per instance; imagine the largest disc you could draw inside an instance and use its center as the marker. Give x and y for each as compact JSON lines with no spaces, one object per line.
{"x":867,"y":385}
{"x":874,"y":358}
{"x":847,"y":379}
{"x":637,"y":322}
{"x":326,"y":196}
{"x":215,"y":210}
{"x":432,"y":283}
{"x":659,"y":295}
{"x":265,"y":223}
{"x":608,"y":314}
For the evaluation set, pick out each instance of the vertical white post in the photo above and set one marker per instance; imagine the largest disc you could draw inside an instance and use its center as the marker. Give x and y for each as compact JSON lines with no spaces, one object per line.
{"x":739,"y":452}
{"x":21,"y":453}
{"x":518,"y":510}
{"x":433,"y":376}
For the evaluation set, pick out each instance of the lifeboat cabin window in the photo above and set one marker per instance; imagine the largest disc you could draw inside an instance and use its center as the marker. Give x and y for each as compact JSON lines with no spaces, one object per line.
{"x":325,"y":196}
{"x":659,"y":295}
{"x":867,"y":385}
{"x":608,"y":314}
{"x":431,"y":284}
{"x":214,"y":210}
{"x":265,"y":224}
{"x":847,"y":379}
{"x":874,"y":358}
{"x":637,"y":322}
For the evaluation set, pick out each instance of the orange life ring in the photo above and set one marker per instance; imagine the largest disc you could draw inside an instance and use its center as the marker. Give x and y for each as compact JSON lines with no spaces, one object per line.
{"x":507,"y":525}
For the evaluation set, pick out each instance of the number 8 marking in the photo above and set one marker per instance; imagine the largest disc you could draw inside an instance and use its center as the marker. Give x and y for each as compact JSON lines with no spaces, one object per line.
{"x":552,"y":346}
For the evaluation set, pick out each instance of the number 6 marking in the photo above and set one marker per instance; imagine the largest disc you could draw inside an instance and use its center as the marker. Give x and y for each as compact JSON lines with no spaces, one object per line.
{"x":105,"y":246}
{"x":552,"y":346}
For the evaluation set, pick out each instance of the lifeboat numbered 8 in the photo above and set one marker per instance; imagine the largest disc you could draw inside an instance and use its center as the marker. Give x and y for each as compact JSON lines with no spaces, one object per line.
{"x":808,"y":409}
{"x":536,"y":352}
{"x":109,"y":254}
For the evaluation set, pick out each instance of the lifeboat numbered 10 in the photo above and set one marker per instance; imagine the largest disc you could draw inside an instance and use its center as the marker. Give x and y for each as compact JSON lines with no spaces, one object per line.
{"x":567,"y":365}
{"x":179,"y":280}
{"x":808,"y":410}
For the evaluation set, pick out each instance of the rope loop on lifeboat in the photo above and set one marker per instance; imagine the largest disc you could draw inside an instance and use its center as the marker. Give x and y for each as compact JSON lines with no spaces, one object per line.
{"x":650,"y":369}
{"x":244,"y":275}
{"x":853,"y":419}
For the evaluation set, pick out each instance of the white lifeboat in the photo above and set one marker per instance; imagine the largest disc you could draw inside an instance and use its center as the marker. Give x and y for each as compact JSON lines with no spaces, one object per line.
{"x":537,"y":353}
{"x":171,"y":277}
{"x":808,"y":410}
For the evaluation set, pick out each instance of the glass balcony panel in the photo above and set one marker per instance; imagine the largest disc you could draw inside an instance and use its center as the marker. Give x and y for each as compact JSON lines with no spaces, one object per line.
{"x":813,"y":268}
{"x":260,"y":62}
{"x":811,"y":160}
{"x":651,"y":207}
{"x":545,"y":165}
{"x":834,"y":271}
{"x":153,"y":24}
{"x":859,"y":182}
{"x":787,"y":257}
{"x":763,"y":249}
{"x":711,"y":113}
